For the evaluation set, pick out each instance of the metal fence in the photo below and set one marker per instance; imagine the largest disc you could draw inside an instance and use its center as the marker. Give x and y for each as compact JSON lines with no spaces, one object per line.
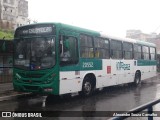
{"x":5,"y":75}
{"x":6,"y":61}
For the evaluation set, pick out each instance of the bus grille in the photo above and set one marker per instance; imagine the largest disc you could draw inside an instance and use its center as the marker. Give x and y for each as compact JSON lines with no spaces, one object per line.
{"x":32,"y":81}
{"x":25,"y":75}
{"x":35,"y":88}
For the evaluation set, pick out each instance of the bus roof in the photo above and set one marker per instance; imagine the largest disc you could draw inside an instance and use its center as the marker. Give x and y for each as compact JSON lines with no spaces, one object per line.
{"x":83,"y":30}
{"x":95,"y":33}
{"x":78,"y":29}
{"x":146,"y":43}
{"x":129,"y":40}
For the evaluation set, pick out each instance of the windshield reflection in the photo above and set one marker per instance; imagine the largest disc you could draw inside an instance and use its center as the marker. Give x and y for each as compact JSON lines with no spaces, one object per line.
{"x":35,"y":53}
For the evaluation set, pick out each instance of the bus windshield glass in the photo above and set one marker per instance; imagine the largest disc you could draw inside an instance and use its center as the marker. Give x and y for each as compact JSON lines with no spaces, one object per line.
{"x":34,"y":53}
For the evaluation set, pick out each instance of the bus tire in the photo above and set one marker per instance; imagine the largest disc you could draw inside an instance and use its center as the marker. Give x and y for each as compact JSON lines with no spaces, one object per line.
{"x":87,"y":88}
{"x":137,"y":79}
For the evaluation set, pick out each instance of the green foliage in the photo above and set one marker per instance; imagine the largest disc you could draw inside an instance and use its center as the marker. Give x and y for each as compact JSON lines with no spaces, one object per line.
{"x":8,"y":34}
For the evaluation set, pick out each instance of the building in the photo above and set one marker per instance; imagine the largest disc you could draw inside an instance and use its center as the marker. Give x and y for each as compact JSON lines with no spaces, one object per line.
{"x":6,"y":61}
{"x":13,"y":13}
{"x":156,"y":40}
{"x":137,"y":34}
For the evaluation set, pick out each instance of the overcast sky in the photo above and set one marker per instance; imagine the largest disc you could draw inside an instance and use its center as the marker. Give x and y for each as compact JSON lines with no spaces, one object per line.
{"x":113,"y":17}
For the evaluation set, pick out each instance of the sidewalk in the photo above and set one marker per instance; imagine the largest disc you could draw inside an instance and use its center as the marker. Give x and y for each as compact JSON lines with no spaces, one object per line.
{"x":5,"y":87}
{"x":7,"y":92}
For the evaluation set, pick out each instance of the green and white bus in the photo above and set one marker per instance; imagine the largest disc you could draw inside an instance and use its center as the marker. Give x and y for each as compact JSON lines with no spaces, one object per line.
{"x":55,"y":58}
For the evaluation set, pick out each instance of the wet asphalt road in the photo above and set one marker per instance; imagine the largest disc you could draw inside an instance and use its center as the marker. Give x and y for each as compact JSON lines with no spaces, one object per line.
{"x":119,"y":98}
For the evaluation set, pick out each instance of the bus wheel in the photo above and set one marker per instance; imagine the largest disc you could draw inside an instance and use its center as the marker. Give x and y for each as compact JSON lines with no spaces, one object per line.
{"x":87,"y":88}
{"x":137,"y":79}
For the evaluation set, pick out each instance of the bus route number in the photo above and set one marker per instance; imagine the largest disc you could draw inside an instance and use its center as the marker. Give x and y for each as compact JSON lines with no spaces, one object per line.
{"x":87,"y":64}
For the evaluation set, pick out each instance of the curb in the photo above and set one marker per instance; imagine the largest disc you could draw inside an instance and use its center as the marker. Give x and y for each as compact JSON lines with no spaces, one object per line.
{"x":11,"y":97}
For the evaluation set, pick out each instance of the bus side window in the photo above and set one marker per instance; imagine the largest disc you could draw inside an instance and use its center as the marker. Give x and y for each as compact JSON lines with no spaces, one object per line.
{"x":127,"y":50}
{"x":101,"y":48}
{"x":116,"y":49}
{"x":86,"y":46}
{"x":137,"y":52}
{"x":152,"y":53}
{"x":145,"y":51}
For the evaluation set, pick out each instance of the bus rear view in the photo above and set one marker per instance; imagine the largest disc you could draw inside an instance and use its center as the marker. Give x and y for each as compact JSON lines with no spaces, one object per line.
{"x":35,"y":68}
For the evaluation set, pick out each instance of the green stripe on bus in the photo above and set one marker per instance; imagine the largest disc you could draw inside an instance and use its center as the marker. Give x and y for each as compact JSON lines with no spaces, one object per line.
{"x":146,"y":62}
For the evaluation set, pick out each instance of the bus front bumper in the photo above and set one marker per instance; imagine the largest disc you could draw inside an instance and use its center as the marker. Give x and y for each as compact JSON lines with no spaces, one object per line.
{"x":39,"y":89}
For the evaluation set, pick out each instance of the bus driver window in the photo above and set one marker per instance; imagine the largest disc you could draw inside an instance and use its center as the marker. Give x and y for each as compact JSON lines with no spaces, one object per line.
{"x":65,"y":53}
{"x":68,"y":50}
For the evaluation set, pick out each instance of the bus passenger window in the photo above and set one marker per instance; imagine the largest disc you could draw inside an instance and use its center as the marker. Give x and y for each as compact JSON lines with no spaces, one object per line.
{"x":127,"y":50}
{"x":101,"y":48}
{"x":86,"y":46}
{"x":152,"y":53}
{"x":145,"y":50}
{"x":116,"y":49}
{"x":137,"y":52}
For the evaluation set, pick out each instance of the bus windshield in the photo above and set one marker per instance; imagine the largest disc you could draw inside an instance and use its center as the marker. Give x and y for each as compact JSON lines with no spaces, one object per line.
{"x":34,"y":53}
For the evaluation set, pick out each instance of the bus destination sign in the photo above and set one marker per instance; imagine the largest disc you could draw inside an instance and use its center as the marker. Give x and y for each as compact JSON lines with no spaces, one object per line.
{"x":40,"y":29}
